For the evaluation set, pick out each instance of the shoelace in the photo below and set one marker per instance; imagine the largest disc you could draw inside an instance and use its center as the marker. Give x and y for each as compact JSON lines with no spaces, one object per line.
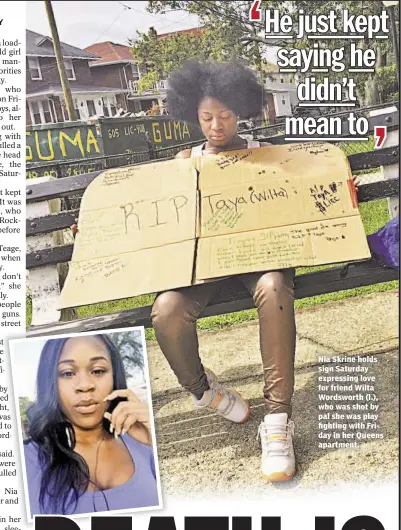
{"x":216,"y":388}
{"x":275,"y":447}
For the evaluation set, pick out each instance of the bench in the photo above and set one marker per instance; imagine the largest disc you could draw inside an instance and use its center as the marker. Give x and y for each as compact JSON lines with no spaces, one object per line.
{"x":48,"y":254}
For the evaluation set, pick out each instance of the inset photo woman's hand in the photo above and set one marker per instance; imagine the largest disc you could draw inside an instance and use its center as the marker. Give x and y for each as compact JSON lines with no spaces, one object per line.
{"x":131,"y":416}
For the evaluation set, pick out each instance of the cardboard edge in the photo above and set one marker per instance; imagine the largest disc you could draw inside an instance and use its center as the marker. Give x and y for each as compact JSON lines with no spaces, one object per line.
{"x":353,"y":218}
{"x":62,"y":305}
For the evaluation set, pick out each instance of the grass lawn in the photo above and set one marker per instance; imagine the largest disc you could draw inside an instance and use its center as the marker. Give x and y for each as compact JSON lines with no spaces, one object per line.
{"x":374,"y":215}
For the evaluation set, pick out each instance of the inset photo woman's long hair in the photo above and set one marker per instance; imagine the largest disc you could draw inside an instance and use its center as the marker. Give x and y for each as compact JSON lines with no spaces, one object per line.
{"x":65,"y":473}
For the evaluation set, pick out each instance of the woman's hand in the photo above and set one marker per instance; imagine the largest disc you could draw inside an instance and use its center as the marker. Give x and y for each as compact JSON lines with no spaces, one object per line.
{"x":356,"y":181}
{"x":130,"y":417}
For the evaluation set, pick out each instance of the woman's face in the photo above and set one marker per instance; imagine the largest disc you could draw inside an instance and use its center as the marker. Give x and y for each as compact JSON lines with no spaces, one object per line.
{"x":217,"y":121}
{"x":84,"y":379}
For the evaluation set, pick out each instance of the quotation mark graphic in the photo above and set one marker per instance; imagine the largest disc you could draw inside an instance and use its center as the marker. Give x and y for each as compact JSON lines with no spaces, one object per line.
{"x":380,"y":136}
{"x":255,"y":14}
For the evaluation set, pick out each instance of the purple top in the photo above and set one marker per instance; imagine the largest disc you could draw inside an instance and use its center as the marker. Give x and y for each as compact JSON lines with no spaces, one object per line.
{"x":138,"y":492}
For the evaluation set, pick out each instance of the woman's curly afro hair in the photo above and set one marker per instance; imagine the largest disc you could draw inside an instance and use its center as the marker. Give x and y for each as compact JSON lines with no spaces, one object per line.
{"x":233,"y":84}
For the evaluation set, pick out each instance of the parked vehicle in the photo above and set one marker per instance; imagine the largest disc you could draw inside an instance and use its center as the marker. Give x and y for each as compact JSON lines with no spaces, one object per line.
{"x":307,"y":112}
{"x":245,"y":125}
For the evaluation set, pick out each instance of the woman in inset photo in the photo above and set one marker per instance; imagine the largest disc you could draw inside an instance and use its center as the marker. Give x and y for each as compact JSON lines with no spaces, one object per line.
{"x":89,"y":445}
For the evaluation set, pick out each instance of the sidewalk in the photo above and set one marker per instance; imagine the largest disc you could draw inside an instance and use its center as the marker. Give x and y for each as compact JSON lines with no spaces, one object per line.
{"x":198,"y":449}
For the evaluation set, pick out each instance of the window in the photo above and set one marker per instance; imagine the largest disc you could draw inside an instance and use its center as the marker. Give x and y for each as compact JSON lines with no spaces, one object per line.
{"x":91,"y":107}
{"x":35,"y":111}
{"x":34,"y":68}
{"x":109,"y":106}
{"x":77,"y":109}
{"x":283,"y":101}
{"x":135,"y":72}
{"x":65,"y":113}
{"x":41,"y":112}
{"x":56,"y":116}
{"x":69,"y":69}
{"x":47,"y":113}
{"x":105,"y":107}
{"x":281,"y":80}
{"x":137,"y":106}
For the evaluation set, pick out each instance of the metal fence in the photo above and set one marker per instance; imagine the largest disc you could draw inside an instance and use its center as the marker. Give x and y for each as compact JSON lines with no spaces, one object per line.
{"x":69,"y":168}
{"x":262,"y":133}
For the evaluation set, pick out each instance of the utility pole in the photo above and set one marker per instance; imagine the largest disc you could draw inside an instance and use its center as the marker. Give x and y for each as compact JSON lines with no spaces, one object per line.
{"x":60,"y":62}
{"x":390,"y":8}
{"x":395,"y":43}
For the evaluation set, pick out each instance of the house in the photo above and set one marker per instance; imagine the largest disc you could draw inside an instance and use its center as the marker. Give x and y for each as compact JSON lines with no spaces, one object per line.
{"x":280,"y":89}
{"x":117,"y":68}
{"x":191,"y":31}
{"x":44,"y":95}
{"x":281,"y":92}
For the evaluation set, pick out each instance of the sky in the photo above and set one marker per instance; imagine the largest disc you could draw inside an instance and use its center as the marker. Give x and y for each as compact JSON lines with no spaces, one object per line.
{"x":84,"y":23}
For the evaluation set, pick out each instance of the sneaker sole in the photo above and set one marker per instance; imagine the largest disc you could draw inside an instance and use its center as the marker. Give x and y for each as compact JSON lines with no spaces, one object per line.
{"x":278,"y":477}
{"x":247,"y":414}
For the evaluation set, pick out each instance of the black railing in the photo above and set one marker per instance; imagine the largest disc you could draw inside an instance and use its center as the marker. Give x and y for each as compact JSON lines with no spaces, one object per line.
{"x":69,"y":168}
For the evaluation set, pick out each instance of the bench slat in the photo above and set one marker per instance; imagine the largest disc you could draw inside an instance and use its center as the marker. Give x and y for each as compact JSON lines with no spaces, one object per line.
{"x":77,"y":184}
{"x":371,"y":159}
{"x":51,"y":223}
{"x":378,"y":190}
{"x":234,"y":298}
{"x":67,"y":186}
{"x":49,"y":256}
{"x":61,"y":254}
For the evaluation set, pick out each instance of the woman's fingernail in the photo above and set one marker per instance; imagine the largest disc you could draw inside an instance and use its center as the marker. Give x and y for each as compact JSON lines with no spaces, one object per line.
{"x":123,"y":432}
{"x":116,"y":435}
{"x":111,"y":428}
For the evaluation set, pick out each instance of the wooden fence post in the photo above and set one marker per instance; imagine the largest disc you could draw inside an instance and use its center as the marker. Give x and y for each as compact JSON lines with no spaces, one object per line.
{"x":44,"y":281}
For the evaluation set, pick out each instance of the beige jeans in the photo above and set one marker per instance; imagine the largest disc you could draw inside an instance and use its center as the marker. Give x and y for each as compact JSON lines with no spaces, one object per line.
{"x":175,"y":313}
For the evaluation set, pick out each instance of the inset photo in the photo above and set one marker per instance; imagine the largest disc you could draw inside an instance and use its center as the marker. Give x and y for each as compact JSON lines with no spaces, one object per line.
{"x":86,"y":423}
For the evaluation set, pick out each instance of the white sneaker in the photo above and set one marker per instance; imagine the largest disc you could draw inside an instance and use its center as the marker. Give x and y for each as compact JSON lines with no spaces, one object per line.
{"x":278,"y":458}
{"x":225,"y":401}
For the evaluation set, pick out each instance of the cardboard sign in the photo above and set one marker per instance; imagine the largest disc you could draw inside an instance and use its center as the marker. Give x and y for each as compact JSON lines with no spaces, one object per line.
{"x":137,"y":228}
{"x":259,"y":209}
{"x":277,"y":207}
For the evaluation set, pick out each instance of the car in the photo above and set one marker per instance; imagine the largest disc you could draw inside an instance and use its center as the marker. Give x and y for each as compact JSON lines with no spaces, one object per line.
{"x":307,"y":112}
{"x":245,"y":125}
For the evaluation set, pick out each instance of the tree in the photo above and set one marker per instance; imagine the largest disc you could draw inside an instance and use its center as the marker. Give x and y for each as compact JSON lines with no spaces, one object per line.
{"x":386,"y":78}
{"x":223,"y":24}
{"x":130,"y":347}
{"x":24,"y":404}
{"x":367,"y":83}
{"x":229,"y":23}
{"x":162,"y":56}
